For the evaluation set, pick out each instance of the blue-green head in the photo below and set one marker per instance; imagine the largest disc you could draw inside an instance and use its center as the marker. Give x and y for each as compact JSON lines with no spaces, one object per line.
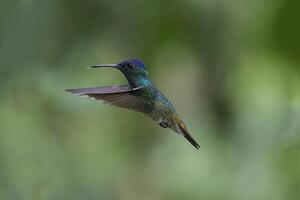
{"x":134,"y":70}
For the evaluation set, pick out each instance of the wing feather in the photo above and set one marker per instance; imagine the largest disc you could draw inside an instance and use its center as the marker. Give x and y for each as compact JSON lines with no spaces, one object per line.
{"x":119,"y":95}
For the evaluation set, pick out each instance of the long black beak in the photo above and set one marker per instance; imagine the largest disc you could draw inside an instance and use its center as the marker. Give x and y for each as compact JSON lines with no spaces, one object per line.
{"x":106,"y":65}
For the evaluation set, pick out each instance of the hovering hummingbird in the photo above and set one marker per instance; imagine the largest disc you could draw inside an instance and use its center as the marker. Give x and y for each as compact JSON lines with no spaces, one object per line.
{"x":140,"y":95}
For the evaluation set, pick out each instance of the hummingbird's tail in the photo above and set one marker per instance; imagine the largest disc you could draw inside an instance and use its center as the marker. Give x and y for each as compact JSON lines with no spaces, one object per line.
{"x":189,"y":137}
{"x":185,"y":133}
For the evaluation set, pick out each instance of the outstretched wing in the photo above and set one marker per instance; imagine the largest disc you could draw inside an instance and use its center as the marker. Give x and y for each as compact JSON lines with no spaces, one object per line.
{"x":119,"y":95}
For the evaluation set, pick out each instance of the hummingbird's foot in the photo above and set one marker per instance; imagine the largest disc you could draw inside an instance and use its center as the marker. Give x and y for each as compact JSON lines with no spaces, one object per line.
{"x":163,"y":124}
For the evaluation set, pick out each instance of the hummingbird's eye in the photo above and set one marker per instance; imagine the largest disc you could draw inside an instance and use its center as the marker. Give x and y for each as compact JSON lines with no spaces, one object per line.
{"x":130,"y":65}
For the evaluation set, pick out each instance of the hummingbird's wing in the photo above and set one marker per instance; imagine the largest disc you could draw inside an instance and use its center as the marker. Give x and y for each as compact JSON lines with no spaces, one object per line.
{"x":119,"y":95}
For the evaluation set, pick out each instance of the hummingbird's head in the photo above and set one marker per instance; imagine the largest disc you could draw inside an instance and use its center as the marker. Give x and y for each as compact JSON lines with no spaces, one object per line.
{"x":128,"y":67}
{"x":133,"y":69}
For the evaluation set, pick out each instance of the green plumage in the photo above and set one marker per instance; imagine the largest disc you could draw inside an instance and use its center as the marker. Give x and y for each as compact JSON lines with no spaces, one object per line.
{"x":140,"y":95}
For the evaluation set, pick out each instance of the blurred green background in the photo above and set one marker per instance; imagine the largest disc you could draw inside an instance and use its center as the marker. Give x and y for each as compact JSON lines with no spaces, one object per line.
{"x":230,"y":67}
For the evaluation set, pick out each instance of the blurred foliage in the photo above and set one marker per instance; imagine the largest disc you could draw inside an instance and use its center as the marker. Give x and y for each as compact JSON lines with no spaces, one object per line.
{"x":230,"y":67}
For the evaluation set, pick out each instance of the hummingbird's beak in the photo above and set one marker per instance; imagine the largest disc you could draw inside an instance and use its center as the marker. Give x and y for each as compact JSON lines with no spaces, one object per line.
{"x":105,"y":65}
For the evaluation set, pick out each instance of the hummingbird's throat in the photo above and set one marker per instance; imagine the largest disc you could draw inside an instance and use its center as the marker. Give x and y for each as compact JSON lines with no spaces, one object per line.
{"x":138,"y":81}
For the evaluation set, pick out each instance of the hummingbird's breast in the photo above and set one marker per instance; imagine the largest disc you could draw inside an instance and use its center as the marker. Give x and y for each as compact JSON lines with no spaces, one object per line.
{"x":162,"y":109}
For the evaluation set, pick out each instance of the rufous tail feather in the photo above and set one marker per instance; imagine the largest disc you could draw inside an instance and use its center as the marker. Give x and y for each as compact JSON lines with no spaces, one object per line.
{"x":187,"y":135}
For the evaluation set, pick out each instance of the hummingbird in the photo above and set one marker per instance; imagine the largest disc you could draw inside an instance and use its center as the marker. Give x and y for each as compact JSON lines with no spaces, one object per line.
{"x":140,"y":95}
